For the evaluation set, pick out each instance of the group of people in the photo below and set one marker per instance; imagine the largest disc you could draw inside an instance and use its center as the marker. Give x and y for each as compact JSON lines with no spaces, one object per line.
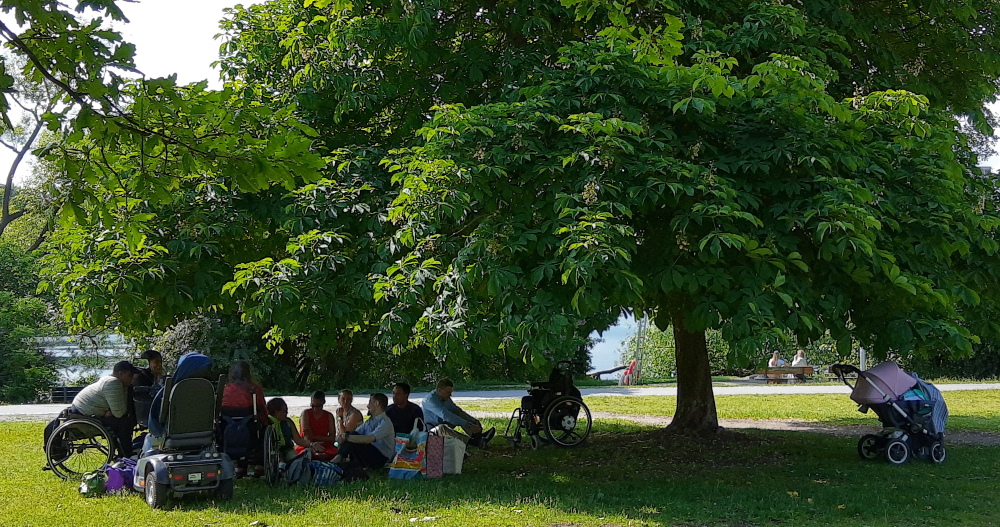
{"x":344,"y":436}
{"x":341,"y":436}
{"x":776,"y":362}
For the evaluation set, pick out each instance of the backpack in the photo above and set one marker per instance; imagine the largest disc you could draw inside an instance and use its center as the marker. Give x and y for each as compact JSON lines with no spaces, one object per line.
{"x":93,"y":483}
{"x":238,"y":436}
{"x":299,"y":471}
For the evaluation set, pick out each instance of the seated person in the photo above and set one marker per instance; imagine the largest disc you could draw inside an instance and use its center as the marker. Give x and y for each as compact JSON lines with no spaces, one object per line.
{"x":191,"y":365}
{"x":347,"y":417}
{"x":241,"y":392}
{"x":442,"y":415}
{"x":318,"y":426}
{"x":153,"y":375}
{"x":288,"y":434}
{"x":799,"y":361}
{"x":402,"y":412}
{"x":373,"y":444}
{"x":775,"y":362}
{"x":107,"y":400}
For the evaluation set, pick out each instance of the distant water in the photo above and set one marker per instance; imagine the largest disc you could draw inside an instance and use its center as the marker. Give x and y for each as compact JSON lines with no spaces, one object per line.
{"x":604,"y":355}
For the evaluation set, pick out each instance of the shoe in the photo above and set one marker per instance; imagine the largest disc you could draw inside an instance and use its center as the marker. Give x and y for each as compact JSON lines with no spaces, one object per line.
{"x":488,"y":436}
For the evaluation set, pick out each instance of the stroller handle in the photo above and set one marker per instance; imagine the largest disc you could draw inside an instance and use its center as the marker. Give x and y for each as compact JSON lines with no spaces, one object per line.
{"x":840,"y":370}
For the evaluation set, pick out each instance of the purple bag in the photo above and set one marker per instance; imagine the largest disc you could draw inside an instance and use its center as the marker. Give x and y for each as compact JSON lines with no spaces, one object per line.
{"x":120,"y":475}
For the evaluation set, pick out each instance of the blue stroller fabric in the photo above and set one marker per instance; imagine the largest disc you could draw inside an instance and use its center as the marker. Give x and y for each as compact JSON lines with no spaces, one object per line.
{"x":939,"y":413}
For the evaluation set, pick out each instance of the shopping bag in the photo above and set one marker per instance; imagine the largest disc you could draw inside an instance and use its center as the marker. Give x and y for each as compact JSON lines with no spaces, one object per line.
{"x":435,"y":456}
{"x":454,"y":455}
{"x":410,"y":461}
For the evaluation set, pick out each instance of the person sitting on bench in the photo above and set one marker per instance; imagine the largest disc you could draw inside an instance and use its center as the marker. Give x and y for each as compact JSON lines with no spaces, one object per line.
{"x":373,"y":444}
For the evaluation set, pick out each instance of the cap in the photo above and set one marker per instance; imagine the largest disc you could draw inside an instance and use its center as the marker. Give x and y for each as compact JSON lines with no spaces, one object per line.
{"x":151,"y":354}
{"x":125,"y":366}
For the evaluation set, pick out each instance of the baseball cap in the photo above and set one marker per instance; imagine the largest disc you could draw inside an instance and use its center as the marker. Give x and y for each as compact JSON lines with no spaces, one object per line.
{"x":125,"y":366}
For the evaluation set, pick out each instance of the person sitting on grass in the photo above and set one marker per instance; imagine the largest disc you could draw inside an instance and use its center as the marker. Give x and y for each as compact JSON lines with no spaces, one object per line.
{"x":373,"y":444}
{"x":347,"y":417}
{"x":442,"y":416}
{"x":402,"y":412}
{"x":288,"y":433}
{"x":318,"y":426}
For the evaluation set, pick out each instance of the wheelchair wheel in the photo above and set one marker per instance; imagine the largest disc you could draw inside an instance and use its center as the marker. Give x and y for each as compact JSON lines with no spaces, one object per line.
{"x":567,"y":421}
{"x":272,"y":456}
{"x":78,"y":446}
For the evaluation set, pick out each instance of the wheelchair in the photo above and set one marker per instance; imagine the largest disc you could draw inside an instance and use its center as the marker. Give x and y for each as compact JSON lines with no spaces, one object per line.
{"x":187,"y":460}
{"x":81,"y":444}
{"x":553,"y":412}
{"x":78,"y":444}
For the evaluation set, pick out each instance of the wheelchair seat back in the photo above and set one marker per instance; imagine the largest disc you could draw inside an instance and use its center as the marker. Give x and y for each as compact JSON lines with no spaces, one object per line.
{"x":189,"y":415}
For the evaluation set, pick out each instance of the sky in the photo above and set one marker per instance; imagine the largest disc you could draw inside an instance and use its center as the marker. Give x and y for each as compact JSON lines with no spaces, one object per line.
{"x":177,"y":36}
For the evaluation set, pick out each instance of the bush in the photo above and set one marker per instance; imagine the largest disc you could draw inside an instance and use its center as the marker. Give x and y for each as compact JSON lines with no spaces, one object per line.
{"x":26,"y":372}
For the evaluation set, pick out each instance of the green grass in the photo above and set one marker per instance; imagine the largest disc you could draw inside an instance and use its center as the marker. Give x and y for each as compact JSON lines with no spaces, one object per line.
{"x":969,"y":410}
{"x":624,"y":475}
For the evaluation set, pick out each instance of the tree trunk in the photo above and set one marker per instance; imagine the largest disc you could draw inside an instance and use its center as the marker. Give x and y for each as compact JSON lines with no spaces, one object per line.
{"x":695,"y":412}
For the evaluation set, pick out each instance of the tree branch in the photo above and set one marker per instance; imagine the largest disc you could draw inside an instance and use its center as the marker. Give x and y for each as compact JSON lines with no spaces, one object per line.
{"x":13,"y":169}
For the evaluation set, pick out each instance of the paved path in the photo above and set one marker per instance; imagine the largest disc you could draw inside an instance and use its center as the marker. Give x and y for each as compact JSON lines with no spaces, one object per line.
{"x":39,"y":412}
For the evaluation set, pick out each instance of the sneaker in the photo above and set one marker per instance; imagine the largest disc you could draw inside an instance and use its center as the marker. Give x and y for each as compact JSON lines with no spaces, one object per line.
{"x":488,"y":436}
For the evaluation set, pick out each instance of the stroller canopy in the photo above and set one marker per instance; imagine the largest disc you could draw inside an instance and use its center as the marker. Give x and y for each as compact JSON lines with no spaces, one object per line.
{"x":889,"y":377}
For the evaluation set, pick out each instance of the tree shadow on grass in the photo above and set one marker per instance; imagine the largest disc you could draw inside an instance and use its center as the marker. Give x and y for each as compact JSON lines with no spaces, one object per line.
{"x":629,"y":473}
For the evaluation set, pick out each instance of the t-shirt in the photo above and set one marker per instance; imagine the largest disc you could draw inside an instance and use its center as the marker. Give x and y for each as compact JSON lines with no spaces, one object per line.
{"x":240,"y":396}
{"x":799,"y":361}
{"x":403,"y":418}
{"x":108,"y":393}
{"x":385,"y":436}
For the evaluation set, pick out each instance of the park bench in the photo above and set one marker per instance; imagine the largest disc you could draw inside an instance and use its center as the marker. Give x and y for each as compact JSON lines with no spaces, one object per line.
{"x":781,"y":371}
{"x":63,"y":394}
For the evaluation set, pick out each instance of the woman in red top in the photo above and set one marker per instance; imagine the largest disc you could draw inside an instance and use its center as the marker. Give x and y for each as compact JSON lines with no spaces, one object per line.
{"x":241,"y":390}
{"x":318,"y":426}
{"x":238,"y":398}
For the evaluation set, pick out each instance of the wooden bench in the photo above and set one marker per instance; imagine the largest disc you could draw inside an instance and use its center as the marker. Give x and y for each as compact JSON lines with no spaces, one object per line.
{"x":63,"y":394}
{"x":781,"y":371}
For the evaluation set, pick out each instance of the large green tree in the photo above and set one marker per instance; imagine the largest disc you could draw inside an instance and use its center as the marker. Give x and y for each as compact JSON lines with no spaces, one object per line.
{"x":752,"y":167}
{"x":509,"y":175}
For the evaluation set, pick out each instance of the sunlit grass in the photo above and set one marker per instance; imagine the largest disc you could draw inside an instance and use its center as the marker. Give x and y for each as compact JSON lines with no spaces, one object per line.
{"x":969,"y":410}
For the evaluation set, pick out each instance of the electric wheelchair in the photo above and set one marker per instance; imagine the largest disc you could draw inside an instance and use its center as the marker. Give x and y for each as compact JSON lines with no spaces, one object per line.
{"x":553,"y":412}
{"x":185,"y":459}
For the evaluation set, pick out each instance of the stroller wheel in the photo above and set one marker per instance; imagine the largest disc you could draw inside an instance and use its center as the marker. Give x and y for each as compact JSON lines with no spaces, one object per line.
{"x":897,"y":452}
{"x":869,"y":446}
{"x":938,"y":452}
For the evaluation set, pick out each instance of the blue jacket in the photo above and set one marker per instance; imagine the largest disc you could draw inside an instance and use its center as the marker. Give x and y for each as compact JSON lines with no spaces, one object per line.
{"x":190,"y":365}
{"x":437,"y":411}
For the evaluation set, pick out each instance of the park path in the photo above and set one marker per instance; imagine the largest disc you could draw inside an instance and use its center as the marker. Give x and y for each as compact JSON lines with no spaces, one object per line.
{"x":44,"y":412}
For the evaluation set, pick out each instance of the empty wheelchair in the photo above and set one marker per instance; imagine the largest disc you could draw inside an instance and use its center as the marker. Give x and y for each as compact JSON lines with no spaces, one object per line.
{"x":185,"y":458}
{"x":78,"y":444}
{"x":553,"y":412}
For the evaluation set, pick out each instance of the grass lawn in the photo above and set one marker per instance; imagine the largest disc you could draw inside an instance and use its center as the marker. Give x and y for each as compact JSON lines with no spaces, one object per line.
{"x":625,"y":475}
{"x":969,"y":410}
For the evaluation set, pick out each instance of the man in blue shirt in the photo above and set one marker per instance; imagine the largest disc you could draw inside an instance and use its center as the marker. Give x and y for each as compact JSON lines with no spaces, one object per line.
{"x":442,"y":413}
{"x":373,"y":444}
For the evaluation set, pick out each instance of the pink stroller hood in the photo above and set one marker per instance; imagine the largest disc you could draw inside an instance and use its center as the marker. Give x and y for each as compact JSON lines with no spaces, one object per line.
{"x":889,"y":377}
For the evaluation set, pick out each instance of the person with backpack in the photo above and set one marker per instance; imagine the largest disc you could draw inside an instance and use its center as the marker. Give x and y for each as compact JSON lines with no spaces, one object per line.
{"x":244,"y":416}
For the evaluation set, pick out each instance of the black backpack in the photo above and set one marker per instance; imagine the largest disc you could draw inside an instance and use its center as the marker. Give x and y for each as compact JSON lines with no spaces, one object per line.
{"x":238,"y":435}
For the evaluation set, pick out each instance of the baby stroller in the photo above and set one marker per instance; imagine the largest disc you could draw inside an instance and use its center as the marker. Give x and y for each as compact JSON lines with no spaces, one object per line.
{"x":913,"y":413}
{"x":553,"y":411}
